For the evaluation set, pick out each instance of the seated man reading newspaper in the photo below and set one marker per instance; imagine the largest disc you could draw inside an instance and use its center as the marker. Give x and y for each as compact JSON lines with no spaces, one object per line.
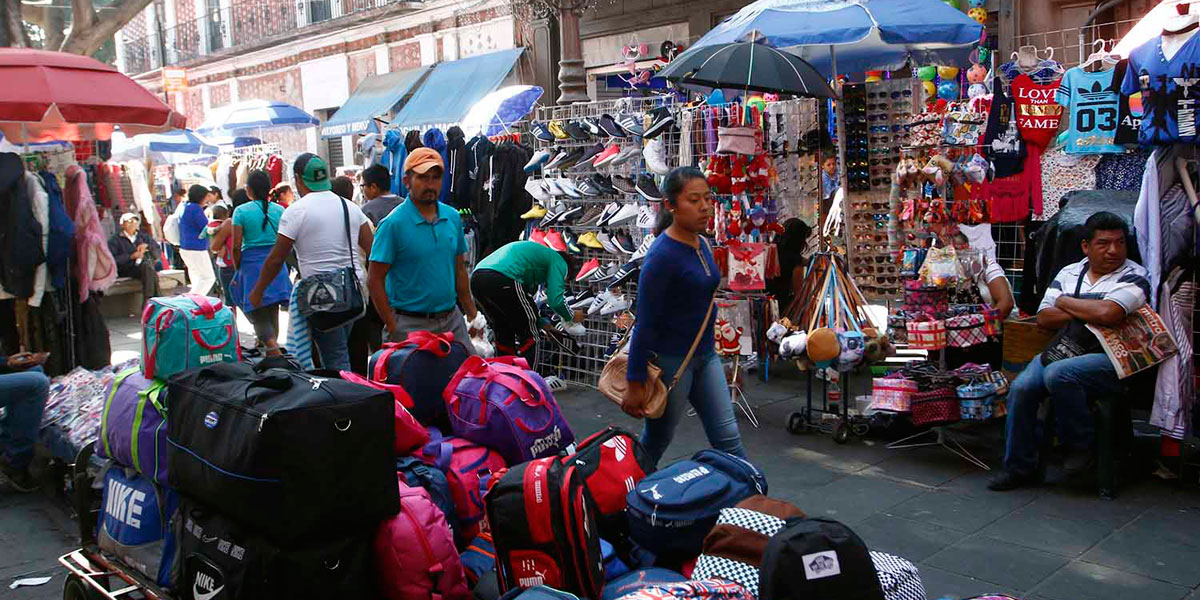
{"x":1100,"y":290}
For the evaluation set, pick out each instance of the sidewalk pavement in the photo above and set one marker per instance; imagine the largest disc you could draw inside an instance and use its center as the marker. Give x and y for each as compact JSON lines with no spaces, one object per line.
{"x":1055,"y":542}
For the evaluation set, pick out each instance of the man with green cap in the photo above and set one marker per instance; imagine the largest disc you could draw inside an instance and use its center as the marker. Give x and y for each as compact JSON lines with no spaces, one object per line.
{"x":315,"y":226}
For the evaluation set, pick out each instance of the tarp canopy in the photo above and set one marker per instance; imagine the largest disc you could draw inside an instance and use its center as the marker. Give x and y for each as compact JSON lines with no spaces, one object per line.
{"x":375,"y":96}
{"x":453,"y":87}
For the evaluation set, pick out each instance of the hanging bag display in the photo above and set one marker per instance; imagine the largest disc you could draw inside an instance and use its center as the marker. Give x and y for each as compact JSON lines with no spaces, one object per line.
{"x":941,"y":268}
{"x":961,"y":127}
{"x":964,"y":331}
{"x":926,"y":333}
{"x":335,"y":298}
{"x":746,"y":141}
{"x":992,"y":323}
{"x":920,"y":298}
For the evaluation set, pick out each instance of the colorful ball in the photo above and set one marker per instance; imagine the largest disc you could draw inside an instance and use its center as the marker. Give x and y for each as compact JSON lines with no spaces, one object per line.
{"x":948,"y":90}
{"x":927,"y":73}
{"x":930,"y":89}
{"x":823,"y":345}
{"x":977,"y":73}
{"x":976,"y":90}
{"x":979,"y":14}
{"x":947,"y":72}
{"x":976,"y":3}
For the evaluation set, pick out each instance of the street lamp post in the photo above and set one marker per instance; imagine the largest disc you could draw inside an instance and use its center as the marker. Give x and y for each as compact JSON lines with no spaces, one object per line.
{"x":572,"y":77}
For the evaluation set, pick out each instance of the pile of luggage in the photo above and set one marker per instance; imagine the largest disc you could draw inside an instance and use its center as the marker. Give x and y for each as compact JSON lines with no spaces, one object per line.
{"x":439,"y":476}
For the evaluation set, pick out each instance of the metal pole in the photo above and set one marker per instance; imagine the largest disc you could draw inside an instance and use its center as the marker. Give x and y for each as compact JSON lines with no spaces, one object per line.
{"x":843,"y":173}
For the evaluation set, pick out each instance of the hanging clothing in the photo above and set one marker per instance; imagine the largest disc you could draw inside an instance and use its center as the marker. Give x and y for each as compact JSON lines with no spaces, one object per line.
{"x":1169,"y":92}
{"x":95,"y":268}
{"x":1093,"y":112}
{"x":1061,"y":173}
{"x":142,"y":197}
{"x":394,"y":155}
{"x":1122,"y":171}
{"x":1009,"y":199}
{"x":1002,"y":141}
{"x":436,"y":140}
{"x":41,"y":211}
{"x":1128,"y":123}
{"x":1037,"y":112}
{"x":22,"y":232}
{"x":1174,"y":388}
{"x":274,"y":169}
{"x":220,"y":175}
{"x":459,"y":192}
{"x":1147,"y":225}
{"x":61,"y":234}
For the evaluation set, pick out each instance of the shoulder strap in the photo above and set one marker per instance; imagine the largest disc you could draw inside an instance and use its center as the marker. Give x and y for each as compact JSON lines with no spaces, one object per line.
{"x":699,"y":334}
{"x":349,"y":240}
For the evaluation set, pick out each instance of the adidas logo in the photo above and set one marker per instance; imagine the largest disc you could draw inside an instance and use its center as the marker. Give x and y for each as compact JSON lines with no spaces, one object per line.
{"x":620,"y":447}
{"x":1096,"y":94}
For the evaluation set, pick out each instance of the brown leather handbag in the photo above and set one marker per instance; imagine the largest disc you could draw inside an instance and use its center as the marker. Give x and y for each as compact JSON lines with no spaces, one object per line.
{"x":612,"y":378}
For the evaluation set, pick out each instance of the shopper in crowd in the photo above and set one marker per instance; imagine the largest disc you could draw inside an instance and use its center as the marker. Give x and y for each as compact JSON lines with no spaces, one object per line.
{"x":830,"y":182}
{"x":282,"y":194}
{"x":377,"y":188}
{"x":255,"y":229}
{"x":136,"y":254}
{"x":222,"y":241}
{"x":503,"y":285}
{"x":193,"y":243}
{"x":24,"y":390}
{"x":344,"y":187}
{"x":418,"y":261}
{"x":222,"y":253}
{"x":175,"y":206}
{"x":793,"y":259}
{"x":315,"y":226}
{"x":1100,"y":290}
{"x":214,"y":196}
{"x":675,"y":291}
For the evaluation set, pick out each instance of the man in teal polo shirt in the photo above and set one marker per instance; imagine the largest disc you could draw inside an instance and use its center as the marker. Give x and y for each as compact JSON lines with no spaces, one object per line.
{"x":418,"y":265}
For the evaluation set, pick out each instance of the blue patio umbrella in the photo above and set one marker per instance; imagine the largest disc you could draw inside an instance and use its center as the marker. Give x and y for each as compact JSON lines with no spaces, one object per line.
{"x":256,"y":115}
{"x":173,"y":147}
{"x":853,"y":36}
{"x":496,"y":112}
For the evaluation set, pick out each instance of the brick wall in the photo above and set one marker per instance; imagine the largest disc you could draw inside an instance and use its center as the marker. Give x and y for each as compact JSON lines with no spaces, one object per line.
{"x":405,"y":56}
{"x":285,"y":87}
{"x":361,"y":66}
{"x":193,"y":106}
{"x":187,"y":28}
{"x":219,"y":95}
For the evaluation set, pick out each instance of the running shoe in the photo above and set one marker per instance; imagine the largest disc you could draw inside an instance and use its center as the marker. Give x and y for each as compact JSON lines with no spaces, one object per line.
{"x":589,"y":188}
{"x":606,"y":184}
{"x":626,"y":273}
{"x":626,"y":212}
{"x":623,"y":242}
{"x":564,"y":161}
{"x":537,"y":189}
{"x":606,"y":157}
{"x":555,"y":241}
{"x":576,"y":131}
{"x":606,"y":241}
{"x":606,"y":214}
{"x":586,"y":271}
{"x":552,"y":216}
{"x":591,"y":214}
{"x":570,"y":215}
{"x":573,"y":329}
{"x":572,"y":242}
{"x":648,"y":189}
{"x":600,"y":301}
{"x":655,"y":153}
{"x":589,"y":154}
{"x":541,"y":132}
{"x":602,"y":274}
{"x":556,"y":130}
{"x":536,"y":211}
{"x":538,"y":236}
{"x":626,"y":185}
{"x":539,"y":159}
{"x":583,"y":299}
{"x":614,"y":306}
{"x":644,"y":247}
{"x":588,"y":240}
{"x":611,"y":128}
{"x":591,"y":126}
{"x":661,"y":119}
{"x":568,"y":187}
{"x":646,"y":218}
{"x":627,"y":153}
{"x":631,"y":123}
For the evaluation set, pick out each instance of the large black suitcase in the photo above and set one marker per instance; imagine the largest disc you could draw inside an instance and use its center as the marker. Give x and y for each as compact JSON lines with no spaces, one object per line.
{"x":293,"y":455}
{"x":221,"y":560}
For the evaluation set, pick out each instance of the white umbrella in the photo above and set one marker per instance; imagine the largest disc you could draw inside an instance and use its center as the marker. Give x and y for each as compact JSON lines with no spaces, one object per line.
{"x":1150,"y":27}
{"x":175,"y":147}
{"x":496,"y":111}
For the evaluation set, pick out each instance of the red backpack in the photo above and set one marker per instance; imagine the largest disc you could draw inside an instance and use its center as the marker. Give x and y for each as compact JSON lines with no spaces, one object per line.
{"x":611,"y":462}
{"x":415,"y":557}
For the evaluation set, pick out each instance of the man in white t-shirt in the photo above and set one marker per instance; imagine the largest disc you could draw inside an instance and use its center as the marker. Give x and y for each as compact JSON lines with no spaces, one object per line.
{"x":315,"y":225}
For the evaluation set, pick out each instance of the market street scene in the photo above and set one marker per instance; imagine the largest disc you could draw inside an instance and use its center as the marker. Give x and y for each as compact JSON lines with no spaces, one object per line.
{"x":599,"y":299}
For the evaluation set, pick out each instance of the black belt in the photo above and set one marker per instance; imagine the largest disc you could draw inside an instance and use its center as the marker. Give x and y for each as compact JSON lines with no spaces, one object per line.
{"x":424,"y":315}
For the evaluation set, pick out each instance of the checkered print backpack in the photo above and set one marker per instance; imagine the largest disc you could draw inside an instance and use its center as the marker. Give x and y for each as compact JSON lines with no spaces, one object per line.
{"x":898,"y":577}
{"x":733,"y":549}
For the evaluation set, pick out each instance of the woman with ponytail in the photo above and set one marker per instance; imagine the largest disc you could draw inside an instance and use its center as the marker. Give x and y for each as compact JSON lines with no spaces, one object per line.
{"x":675,"y":293}
{"x":255,"y":224}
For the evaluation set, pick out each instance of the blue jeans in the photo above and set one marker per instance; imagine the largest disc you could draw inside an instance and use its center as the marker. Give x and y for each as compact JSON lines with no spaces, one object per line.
{"x":333,"y":346}
{"x":703,"y":384}
{"x":1070,"y":381}
{"x":23,"y":396}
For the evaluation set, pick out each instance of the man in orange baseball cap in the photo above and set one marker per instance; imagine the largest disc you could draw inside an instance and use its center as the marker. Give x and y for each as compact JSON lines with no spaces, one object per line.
{"x":418,"y":272}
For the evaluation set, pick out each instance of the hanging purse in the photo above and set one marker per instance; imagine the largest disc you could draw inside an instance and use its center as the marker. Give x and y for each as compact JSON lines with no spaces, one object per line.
{"x":964,"y":331}
{"x":746,"y":141}
{"x":334,"y":298}
{"x":961,"y":127}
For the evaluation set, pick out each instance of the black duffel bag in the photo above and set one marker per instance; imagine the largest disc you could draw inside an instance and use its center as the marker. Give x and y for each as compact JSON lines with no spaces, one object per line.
{"x":220,"y":560}
{"x":293,"y":455}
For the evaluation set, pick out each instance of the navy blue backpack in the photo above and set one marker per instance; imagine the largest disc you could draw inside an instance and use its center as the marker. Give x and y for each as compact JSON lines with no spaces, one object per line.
{"x":420,"y":474}
{"x":538,"y":592}
{"x":673,"y":509}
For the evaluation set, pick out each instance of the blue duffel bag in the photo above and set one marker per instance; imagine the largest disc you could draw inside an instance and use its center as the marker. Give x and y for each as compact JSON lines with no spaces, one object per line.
{"x":672,"y":509}
{"x":137,"y":523}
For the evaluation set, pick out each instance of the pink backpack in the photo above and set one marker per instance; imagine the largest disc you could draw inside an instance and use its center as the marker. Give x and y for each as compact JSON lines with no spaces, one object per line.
{"x":469,"y":470}
{"x":415,"y":558}
{"x":502,"y":404}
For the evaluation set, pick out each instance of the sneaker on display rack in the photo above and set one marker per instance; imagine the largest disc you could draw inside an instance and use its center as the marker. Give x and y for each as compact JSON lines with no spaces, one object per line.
{"x":648,"y":189}
{"x":646,"y":218}
{"x":606,"y":157}
{"x":591,"y":214}
{"x":606,"y":184}
{"x":615,"y":306}
{"x":576,"y":131}
{"x":626,"y":273}
{"x":588,"y":240}
{"x":628,"y":211}
{"x":572,"y":242}
{"x":553,"y":214}
{"x":585,"y":161}
{"x":534,"y":212}
{"x":623,"y":242}
{"x":586,"y":271}
{"x":589,"y":188}
{"x":537,"y":189}
{"x":606,"y":241}
{"x":625,"y":185}
{"x":557,"y":130}
{"x":538,"y":236}
{"x":600,"y":301}
{"x":631,"y":123}
{"x":611,"y":127}
{"x":555,"y":241}
{"x":570,"y":215}
{"x":541,"y":132}
{"x":661,"y":119}
{"x":611,"y":209}
{"x":539,"y":158}
{"x":591,"y":126}
{"x":655,"y":153}
{"x":627,"y":153}
{"x":644,"y":247}
{"x":602,"y":274}
{"x":568,"y":187}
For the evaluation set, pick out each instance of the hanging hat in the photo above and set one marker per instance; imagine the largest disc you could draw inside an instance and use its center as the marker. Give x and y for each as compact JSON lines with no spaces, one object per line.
{"x":823,"y":346}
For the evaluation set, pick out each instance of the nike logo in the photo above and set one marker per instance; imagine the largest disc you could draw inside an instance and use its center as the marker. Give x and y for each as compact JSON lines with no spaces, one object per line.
{"x":198,"y":595}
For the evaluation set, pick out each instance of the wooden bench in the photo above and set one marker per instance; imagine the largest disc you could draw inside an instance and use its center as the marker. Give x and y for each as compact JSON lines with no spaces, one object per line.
{"x":124,"y":298}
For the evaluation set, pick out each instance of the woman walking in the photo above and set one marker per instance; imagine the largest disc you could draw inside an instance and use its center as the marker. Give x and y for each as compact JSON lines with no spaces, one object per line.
{"x":193,"y":242}
{"x":255,"y":224}
{"x":674,"y":304}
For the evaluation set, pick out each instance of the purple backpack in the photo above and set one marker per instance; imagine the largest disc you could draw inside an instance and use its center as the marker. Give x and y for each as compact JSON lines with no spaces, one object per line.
{"x":501,"y":404}
{"x":133,"y":428}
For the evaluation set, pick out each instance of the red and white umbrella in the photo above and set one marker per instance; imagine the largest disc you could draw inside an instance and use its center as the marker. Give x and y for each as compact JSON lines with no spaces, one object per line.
{"x":59,"y":96}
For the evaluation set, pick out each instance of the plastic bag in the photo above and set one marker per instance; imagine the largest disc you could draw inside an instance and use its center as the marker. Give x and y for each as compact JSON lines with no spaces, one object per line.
{"x":941,"y":268}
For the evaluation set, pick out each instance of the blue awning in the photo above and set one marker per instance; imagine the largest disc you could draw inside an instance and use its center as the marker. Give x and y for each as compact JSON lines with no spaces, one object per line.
{"x":455,"y":86}
{"x":375,"y":96}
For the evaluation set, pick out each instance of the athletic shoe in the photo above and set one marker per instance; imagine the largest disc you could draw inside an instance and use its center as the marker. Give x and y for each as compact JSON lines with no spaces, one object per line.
{"x":648,"y":189}
{"x":555,"y":241}
{"x":600,"y":301}
{"x":572,"y":241}
{"x":538,"y":236}
{"x":626,"y":185}
{"x":631,"y":123}
{"x":627,"y":153}
{"x":660,"y":120}
{"x":541,"y":157}
{"x":586,"y":271}
{"x":628,"y":211}
{"x":623,"y":242}
{"x":588,"y":240}
{"x":576,"y":131}
{"x":603,"y":273}
{"x":537,"y":189}
{"x":552,"y":188}
{"x":565,"y":160}
{"x":610,"y":127}
{"x":589,"y":188}
{"x":537,"y":211}
{"x":607,"y":156}
{"x":655,"y":153}
{"x":606,"y":241}
{"x":574,"y":329}
{"x":592,"y":127}
{"x":626,"y":273}
{"x":607,"y":213}
{"x":552,"y":216}
{"x":644,"y":247}
{"x":556,"y":129}
{"x":589,"y":154}
{"x":605,"y":183}
{"x":583,"y":299}
{"x":591,"y":214}
{"x":646,"y":218}
{"x":568,"y":188}
{"x":541,"y":132}
{"x":615,"y":306}
{"x":559,"y":157}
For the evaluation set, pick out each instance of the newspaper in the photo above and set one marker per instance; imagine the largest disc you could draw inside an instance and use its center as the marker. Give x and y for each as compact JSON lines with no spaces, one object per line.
{"x":1138,"y":343}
